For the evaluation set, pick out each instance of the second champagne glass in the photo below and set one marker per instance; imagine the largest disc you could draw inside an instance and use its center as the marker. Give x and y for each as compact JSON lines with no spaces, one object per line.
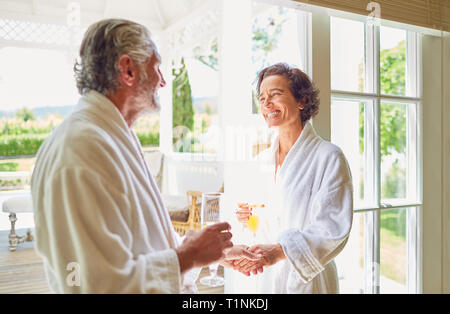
{"x":210,"y":214}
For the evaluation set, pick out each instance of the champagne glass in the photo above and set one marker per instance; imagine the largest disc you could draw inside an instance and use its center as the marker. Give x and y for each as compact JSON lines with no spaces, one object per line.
{"x":210,"y":214}
{"x":253,"y":220}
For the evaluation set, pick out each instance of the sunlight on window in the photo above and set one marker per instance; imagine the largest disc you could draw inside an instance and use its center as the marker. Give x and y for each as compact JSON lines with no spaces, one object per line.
{"x":393,"y":251}
{"x":348,"y":70}
{"x":350,"y":262}
{"x":393,"y":144}
{"x":393,"y":61}
{"x":347,"y":131}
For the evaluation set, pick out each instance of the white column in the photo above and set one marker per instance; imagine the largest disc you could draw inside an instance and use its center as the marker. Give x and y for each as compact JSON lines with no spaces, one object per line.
{"x":165,"y":94}
{"x":234,"y":106}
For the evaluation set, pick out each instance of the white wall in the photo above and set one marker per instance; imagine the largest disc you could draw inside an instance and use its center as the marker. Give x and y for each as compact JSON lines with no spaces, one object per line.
{"x":433,"y":215}
{"x":446,"y":157}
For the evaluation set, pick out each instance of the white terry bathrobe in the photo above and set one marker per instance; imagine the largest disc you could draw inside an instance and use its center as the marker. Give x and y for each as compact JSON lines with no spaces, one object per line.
{"x":97,"y":206}
{"x":314,"y":210}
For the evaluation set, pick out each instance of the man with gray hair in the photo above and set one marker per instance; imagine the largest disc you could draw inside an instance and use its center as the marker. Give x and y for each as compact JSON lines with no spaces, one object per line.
{"x":101,"y":225}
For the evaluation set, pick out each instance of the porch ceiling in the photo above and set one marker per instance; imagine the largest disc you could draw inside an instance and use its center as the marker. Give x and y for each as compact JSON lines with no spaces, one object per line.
{"x":158,"y":15}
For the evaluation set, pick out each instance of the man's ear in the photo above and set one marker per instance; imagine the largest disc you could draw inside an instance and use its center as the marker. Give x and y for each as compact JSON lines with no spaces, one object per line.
{"x":127,"y":70}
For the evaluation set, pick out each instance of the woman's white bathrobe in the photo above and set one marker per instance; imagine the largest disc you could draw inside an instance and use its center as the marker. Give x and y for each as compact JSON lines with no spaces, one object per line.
{"x":315,"y":209}
{"x":97,"y":205}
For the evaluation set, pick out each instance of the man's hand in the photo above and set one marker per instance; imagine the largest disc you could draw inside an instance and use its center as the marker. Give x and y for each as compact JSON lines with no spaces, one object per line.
{"x":201,"y":248}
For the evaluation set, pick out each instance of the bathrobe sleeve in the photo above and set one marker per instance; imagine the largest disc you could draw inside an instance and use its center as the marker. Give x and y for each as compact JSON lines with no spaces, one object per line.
{"x":91,"y":219}
{"x":310,"y":249}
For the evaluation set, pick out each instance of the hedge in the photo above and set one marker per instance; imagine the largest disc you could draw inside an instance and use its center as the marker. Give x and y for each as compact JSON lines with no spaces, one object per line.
{"x":20,"y":145}
{"x":9,"y":166}
{"x":148,"y":139}
{"x":24,"y":145}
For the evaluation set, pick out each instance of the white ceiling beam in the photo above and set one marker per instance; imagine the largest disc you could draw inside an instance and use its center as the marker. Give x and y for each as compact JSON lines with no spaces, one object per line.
{"x":159,"y":13}
{"x":178,"y":22}
{"x":33,"y":7}
{"x":106,"y":8}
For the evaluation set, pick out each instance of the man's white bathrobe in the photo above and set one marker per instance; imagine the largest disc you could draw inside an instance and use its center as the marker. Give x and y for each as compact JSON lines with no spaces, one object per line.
{"x":97,"y":205}
{"x":314,"y":207}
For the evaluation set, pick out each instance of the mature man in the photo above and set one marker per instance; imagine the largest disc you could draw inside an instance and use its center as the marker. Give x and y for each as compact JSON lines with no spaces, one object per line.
{"x":101,"y":225}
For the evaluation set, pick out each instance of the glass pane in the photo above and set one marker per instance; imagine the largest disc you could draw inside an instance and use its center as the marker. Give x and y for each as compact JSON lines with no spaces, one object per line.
{"x":348,"y":69}
{"x":393,"y":251}
{"x":393,"y":150}
{"x":274,"y":29}
{"x":392,"y":61}
{"x":350,"y":262}
{"x":347,"y":132}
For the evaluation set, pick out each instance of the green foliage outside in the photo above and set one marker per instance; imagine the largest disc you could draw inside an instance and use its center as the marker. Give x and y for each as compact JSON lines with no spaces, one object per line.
{"x":392,"y":119}
{"x":211,"y":60}
{"x":25,"y":114}
{"x":392,"y":146}
{"x":393,"y":67}
{"x":21,"y":145}
{"x":18,"y":126}
{"x":23,"y":138}
{"x":183,"y":111}
{"x":148,"y":139}
{"x":393,"y":245}
{"x":9,"y":166}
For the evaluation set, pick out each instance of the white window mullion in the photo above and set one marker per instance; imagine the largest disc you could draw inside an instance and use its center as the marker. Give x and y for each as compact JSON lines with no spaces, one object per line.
{"x":370,"y":79}
{"x":304,"y":28}
{"x":372,"y":169}
{"x":377,"y":154}
{"x":411,"y":64}
{"x":413,"y":234}
{"x":412,"y":249}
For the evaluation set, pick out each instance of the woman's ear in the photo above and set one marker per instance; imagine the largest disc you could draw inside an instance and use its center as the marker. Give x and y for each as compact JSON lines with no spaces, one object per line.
{"x":301,"y":103}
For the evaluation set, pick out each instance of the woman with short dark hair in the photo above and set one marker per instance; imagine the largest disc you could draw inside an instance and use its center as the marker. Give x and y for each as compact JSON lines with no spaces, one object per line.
{"x":315,"y":183}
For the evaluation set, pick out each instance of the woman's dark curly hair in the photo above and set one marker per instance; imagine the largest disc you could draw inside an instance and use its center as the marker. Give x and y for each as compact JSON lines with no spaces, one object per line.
{"x":300,"y":86}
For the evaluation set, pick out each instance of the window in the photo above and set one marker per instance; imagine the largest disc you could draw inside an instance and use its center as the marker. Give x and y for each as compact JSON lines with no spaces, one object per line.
{"x":374,"y":114}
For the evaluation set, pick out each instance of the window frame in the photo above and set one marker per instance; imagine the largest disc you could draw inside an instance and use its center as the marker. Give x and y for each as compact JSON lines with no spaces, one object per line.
{"x":373,"y":156}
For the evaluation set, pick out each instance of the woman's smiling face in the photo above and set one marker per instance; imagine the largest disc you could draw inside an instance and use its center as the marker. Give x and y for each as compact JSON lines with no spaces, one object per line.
{"x":278,"y":105}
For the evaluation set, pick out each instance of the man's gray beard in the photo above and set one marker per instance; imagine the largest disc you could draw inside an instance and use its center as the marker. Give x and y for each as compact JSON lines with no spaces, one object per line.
{"x":152,"y":104}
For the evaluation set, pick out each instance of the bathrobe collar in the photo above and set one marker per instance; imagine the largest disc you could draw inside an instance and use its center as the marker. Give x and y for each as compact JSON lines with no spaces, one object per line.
{"x":302,"y":146}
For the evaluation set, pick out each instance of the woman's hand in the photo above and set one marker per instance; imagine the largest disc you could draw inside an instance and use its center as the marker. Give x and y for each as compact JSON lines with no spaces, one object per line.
{"x":238,"y":252}
{"x":270,"y":255}
{"x":243,"y":213}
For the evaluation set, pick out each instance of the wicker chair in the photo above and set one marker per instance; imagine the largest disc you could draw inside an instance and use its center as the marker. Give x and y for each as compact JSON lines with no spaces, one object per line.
{"x":193,"y":217}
